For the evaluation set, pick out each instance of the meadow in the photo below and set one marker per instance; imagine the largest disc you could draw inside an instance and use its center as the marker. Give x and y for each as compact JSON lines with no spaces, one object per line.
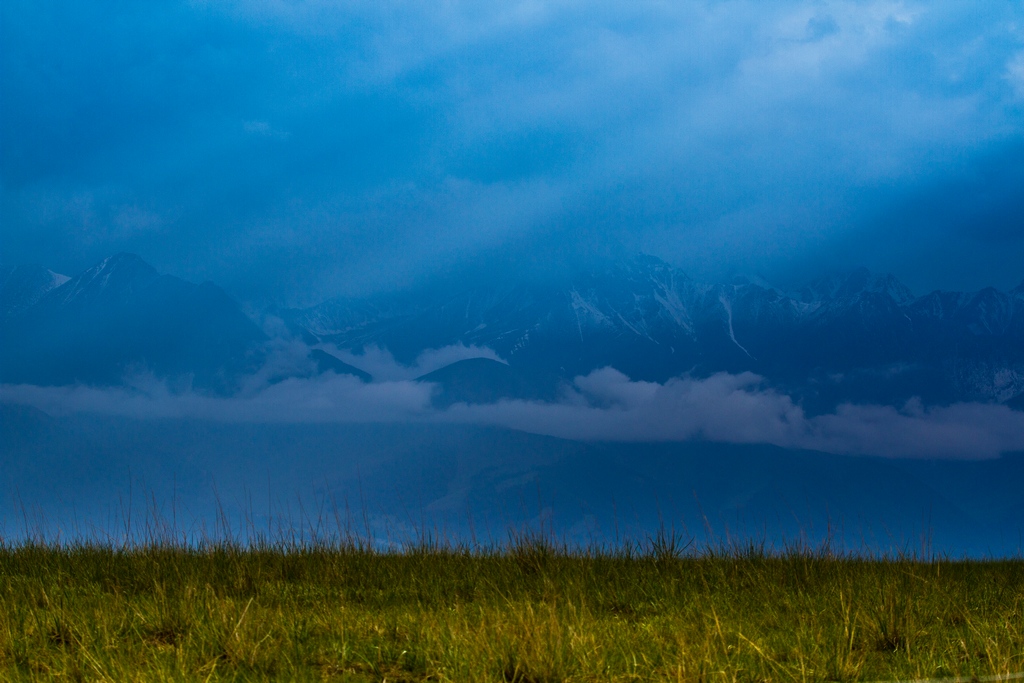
{"x":530,"y":611}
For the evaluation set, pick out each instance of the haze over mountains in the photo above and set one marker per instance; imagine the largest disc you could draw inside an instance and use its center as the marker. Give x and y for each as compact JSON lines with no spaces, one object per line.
{"x":845,"y":337}
{"x":86,"y":474}
{"x":733,"y":407}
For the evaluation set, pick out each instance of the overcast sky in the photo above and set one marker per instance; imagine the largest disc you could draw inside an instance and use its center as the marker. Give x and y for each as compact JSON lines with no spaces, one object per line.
{"x":293,"y":150}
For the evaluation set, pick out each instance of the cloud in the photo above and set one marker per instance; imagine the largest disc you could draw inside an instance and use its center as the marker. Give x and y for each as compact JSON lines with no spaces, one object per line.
{"x":965,"y":430}
{"x":609,"y":406}
{"x":327,"y":398}
{"x":1015,"y":73}
{"x":739,"y":409}
{"x":306,"y":149}
{"x":604,"y":406}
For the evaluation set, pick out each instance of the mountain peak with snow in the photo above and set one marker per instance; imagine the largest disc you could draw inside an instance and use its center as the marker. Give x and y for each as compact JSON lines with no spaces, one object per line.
{"x":115,"y":278}
{"x":640,"y":315}
{"x":121,"y":315}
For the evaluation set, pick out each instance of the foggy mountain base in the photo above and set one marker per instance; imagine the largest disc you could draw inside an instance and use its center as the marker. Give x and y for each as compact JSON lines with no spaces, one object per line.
{"x":112,"y":478}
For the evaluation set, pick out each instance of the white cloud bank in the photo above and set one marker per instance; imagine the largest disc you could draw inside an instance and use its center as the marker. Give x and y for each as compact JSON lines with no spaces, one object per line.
{"x":738,"y":409}
{"x":604,"y":405}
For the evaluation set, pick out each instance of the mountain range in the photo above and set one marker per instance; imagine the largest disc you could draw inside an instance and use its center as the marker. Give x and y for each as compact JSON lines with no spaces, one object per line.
{"x":846,"y":337}
{"x":852,"y":336}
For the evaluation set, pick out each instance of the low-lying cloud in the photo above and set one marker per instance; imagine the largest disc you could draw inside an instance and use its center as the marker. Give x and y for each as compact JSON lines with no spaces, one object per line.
{"x":326,"y":398}
{"x":604,"y":405}
{"x":740,"y":409}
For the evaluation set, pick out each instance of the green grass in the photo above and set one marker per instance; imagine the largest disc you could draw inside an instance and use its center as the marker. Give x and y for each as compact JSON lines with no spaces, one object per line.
{"x":527,"y":613}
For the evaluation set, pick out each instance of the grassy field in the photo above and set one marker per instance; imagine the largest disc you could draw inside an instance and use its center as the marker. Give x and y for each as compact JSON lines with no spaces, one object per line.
{"x":527,"y":613}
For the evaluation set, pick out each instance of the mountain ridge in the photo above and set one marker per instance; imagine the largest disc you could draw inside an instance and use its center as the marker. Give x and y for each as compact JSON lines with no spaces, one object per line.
{"x":653,"y":322}
{"x":851,"y":336}
{"x":121,"y":315}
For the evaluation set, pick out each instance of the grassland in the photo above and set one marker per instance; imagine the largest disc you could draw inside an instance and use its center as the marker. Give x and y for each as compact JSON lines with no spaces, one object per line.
{"x":529,"y":613}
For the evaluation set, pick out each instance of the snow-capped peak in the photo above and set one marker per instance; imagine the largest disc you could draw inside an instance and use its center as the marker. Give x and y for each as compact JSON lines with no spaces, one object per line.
{"x":117,"y":276}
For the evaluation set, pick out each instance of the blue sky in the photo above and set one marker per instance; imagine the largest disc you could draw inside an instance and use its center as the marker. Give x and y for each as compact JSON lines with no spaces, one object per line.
{"x":294,"y":150}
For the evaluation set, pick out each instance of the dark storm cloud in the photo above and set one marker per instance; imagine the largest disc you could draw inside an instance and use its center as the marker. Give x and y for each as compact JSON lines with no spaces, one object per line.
{"x":298,"y":149}
{"x":963,"y":229}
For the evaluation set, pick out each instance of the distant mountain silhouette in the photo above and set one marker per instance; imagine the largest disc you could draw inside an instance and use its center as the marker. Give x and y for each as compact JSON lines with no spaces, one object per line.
{"x":121,"y":315}
{"x":325,"y":362}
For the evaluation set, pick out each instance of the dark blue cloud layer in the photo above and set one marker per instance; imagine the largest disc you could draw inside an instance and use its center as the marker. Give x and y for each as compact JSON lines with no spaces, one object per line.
{"x":301,"y":149}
